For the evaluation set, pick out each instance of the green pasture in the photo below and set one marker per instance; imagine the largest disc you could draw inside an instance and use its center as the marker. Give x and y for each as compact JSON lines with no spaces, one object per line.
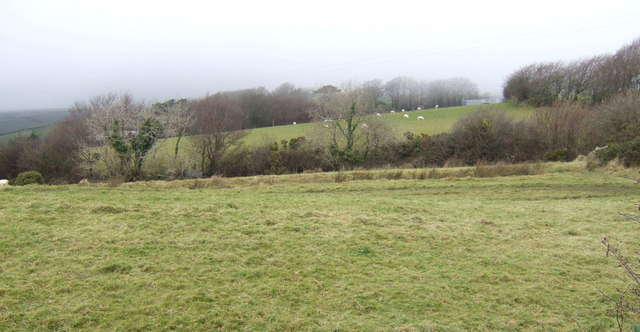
{"x":435,"y":121}
{"x":404,"y":250}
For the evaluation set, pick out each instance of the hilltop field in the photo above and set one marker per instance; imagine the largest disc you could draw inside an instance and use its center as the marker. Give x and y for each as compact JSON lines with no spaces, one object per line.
{"x":411,"y":250}
{"x":435,"y":121}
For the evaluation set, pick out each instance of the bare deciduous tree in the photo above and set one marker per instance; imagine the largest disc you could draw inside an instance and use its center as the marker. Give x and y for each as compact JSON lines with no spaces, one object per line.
{"x":176,"y":119}
{"x":103,"y":116}
{"x":345,"y":110}
{"x":218,"y":124}
{"x":113,"y":122}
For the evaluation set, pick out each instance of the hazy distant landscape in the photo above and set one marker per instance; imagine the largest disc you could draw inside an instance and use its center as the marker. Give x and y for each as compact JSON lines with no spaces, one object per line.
{"x":15,"y":121}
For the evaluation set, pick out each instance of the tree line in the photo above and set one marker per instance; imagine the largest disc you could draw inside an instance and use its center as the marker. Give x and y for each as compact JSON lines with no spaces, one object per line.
{"x":591,"y":80}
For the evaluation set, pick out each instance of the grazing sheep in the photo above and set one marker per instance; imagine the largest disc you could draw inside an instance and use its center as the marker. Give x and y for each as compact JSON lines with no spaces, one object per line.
{"x":326,"y":126}
{"x":419,"y":108}
{"x":4,"y":183}
{"x":364,"y":126}
{"x":406,"y":116}
{"x":421,"y":117}
{"x":294,"y":123}
{"x":393,"y":112}
{"x":378,"y":114}
{"x":403,"y":110}
{"x":436,"y":106}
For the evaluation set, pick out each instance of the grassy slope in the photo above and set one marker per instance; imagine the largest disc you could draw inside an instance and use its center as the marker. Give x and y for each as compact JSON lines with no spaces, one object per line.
{"x":436,"y":121}
{"x":15,"y":121}
{"x":302,"y":252}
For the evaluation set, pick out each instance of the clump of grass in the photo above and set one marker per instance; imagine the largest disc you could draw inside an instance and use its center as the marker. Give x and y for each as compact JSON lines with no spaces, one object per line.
{"x":483,"y":221}
{"x":340,"y":177}
{"x":115,"y":268}
{"x":362,"y":251}
{"x":434,"y":174}
{"x":115,"y":181}
{"x":488,"y":171}
{"x":393,"y":175}
{"x":199,"y":184}
{"x":419,"y":174}
{"x":107,"y":209}
{"x":362,"y":175}
{"x":220,"y":182}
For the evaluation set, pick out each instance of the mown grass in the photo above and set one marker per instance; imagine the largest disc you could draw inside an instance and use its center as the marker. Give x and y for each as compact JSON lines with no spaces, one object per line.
{"x":384,"y":251}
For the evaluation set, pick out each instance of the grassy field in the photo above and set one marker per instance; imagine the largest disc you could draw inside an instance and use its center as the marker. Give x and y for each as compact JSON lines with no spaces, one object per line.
{"x":435,"y":121}
{"x":407,"y":250}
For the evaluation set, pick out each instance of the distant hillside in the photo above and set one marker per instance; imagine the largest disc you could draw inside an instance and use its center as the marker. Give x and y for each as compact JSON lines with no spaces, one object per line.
{"x":40,"y":131}
{"x":14,"y":121}
{"x":435,"y":121}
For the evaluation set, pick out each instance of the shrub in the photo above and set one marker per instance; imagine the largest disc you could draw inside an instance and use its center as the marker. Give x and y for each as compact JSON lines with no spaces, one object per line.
{"x":631,"y":155}
{"x":424,"y":150}
{"x":30,"y":177}
{"x":565,"y":125}
{"x":561,"y":154}
{"x":484,"y":135}
{"x":597,"y":157}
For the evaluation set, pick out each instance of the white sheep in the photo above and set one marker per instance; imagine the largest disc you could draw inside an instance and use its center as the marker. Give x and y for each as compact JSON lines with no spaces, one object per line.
{"x":392,"y":112}
{"x":436,"y":106}
{"x":326,"y":126}
{"x":421,"y":117}
{"x":378,"y":114}
{"x":294,"y":123}
{"x":364,"y":126}
{"x":4,"y":183}
{"x":419,"y":108}
{"x":406,"y":116}
{"x":403,"y":110}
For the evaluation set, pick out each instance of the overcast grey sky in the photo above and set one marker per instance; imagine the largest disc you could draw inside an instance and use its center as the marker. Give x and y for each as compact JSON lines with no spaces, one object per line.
{"x":56,"y":52}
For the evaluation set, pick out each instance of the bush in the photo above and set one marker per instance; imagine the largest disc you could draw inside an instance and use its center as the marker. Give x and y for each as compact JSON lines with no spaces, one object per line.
{"x":599,"y":157}
{"x":561,"y":154}
{"x":484,"y":135}
{"x":29,"y":177}
{"x":424,"y":150}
